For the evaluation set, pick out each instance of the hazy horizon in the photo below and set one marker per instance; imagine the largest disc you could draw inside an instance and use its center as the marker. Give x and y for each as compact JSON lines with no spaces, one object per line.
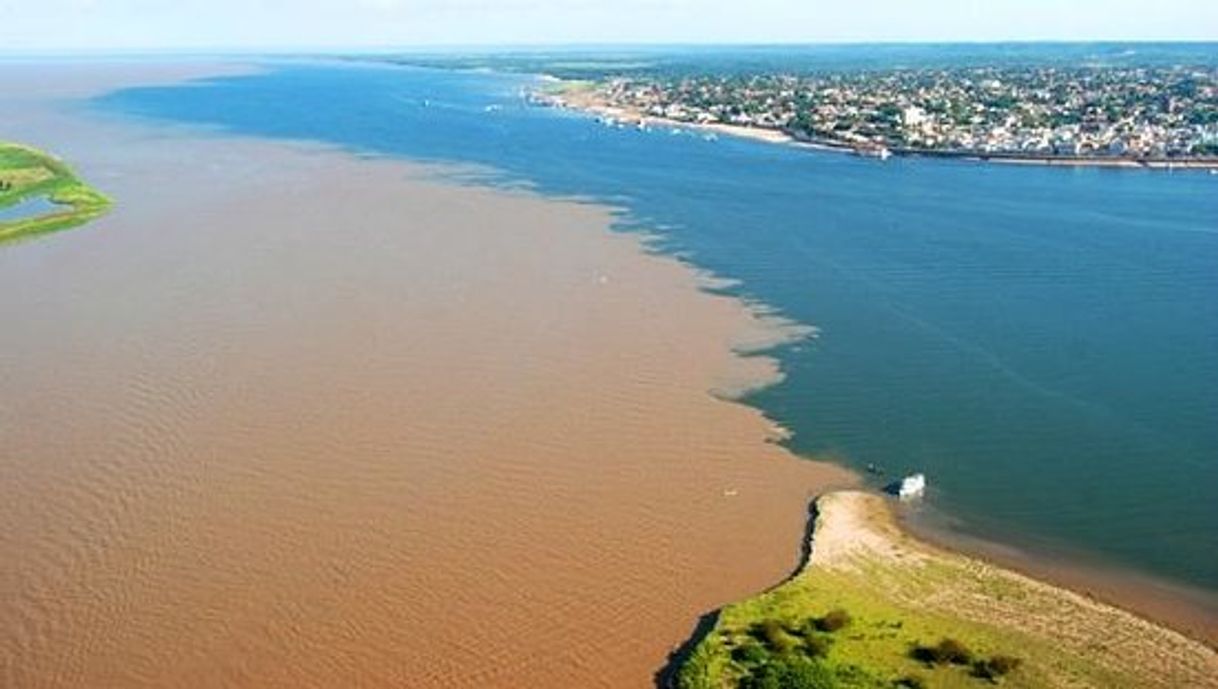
{"x":226,"y":26}
{"x":525,"y":48}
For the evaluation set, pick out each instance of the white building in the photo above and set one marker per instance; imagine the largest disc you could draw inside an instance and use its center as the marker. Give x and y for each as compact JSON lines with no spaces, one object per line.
{"x":913,"y":116}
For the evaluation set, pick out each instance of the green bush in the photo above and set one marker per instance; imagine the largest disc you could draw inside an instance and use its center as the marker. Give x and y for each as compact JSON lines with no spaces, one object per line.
{"x":775,"y":637}
{"x":750,"y":653}
{"x":816,"y":646}
{"x":995,"y":667}
{"x":1005,"y":664}
{"x":833,"y":621}
{"x":946,"y":651}
{"x":954,"y":652}
{"x":791,"y":672}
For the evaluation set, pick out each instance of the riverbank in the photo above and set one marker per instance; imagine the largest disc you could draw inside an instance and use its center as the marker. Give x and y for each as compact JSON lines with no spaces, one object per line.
{"x":1185,"y":609}
{"x":872,"y":607}
{"x":28,"y":174}
{"x":583,"y":96}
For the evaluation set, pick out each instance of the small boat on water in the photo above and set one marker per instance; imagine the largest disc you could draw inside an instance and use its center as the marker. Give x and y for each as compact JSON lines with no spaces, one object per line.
{"x":912,"y":486}
{"x":873,"y":151}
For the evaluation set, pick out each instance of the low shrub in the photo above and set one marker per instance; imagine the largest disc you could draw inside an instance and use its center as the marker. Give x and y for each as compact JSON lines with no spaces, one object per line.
{"x":750,"y":653}
{"x":954,"y":652}
{"x":924,"y":654}
{"x":946,"y":651}
{"x":1004,"y":664}
{"x":791,"y":672}
{"x":995,"y":667}
{"x":816,"y":646}
{"x":833,"y":620}
{"x":775,"y":637}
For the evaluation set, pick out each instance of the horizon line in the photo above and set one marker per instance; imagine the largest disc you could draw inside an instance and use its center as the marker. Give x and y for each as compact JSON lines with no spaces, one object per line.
{"x":306,"y":50}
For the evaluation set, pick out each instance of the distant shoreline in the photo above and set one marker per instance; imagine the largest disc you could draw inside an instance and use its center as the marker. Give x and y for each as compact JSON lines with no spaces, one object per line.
{"x":573,"y":95}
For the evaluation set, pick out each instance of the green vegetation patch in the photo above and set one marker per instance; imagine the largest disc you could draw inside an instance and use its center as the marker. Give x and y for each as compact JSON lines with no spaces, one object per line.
{"x":27,"y":173}
{"x":881,"y":610}
{"x":829,"y":629}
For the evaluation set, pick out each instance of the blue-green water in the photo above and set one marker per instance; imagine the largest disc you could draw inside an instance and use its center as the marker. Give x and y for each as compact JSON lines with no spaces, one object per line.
{"x":28,"y":208}
{"x":1042,"y":342}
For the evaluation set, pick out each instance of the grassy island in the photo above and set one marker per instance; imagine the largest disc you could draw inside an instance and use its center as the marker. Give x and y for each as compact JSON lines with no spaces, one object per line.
{"x":26,"y":175}
{"x":875,"y":608}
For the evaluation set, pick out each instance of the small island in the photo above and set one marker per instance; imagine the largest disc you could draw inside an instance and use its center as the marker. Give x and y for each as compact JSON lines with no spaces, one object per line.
{"x":875,"y":608}
{"x":1162,"y":117}
{"x":39,"y":194}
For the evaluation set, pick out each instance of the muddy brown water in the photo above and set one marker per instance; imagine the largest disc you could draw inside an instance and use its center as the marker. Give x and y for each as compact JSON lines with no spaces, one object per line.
{"x":288,"y":418}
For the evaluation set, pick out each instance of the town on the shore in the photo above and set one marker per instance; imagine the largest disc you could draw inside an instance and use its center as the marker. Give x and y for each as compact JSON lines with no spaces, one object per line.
{"x":1117,"y":114}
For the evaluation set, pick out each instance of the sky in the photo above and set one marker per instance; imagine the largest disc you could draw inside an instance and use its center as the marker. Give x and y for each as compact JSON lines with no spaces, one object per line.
{"x":186,"y":25}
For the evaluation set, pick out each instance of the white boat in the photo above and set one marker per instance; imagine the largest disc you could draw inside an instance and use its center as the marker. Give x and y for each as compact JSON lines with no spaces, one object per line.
{"x":912,"y":486}
{"x":880,"y":152}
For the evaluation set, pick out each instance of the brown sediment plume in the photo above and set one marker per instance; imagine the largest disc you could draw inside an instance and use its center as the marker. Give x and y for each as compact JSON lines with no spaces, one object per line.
{"x":287,"y":418}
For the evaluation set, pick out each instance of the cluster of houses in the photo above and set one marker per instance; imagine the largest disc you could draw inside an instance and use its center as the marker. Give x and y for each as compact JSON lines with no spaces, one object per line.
{"x":1087,"y":111}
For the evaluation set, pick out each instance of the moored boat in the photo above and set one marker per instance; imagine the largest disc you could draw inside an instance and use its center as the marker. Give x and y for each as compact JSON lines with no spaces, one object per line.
{"x":912,"y":486}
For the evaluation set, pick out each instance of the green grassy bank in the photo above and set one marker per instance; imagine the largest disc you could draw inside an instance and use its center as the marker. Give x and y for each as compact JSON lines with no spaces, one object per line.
{"x":875,"y":608}
{"x":27,"y":173}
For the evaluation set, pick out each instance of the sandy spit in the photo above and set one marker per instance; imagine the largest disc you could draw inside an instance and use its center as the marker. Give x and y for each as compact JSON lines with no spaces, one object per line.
{"x":855,"y":530}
